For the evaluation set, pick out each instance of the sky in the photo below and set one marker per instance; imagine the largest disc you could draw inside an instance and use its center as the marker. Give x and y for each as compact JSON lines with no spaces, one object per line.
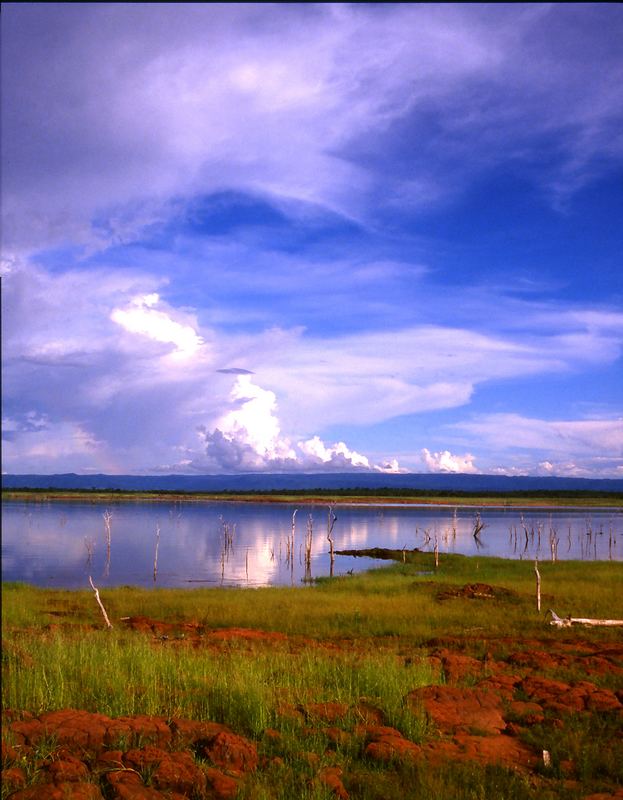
{"x":309,"y":237}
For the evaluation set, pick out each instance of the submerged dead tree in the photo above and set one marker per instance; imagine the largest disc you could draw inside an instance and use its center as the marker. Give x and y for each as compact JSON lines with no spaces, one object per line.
{"x":107,"y":525}
{"x":331,"y":520}
{"x":479,"y":527}
{"x":156,"y":553}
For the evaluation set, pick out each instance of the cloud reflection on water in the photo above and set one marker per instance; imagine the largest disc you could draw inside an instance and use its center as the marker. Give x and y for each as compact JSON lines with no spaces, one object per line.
{"x":47,"y":544}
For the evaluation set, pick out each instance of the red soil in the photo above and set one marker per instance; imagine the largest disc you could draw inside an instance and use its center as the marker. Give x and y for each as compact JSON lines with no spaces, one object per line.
{"x":479,"y":714}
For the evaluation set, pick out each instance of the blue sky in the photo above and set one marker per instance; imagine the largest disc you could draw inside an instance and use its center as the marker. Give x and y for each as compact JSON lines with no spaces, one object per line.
{"x":255,"y":237}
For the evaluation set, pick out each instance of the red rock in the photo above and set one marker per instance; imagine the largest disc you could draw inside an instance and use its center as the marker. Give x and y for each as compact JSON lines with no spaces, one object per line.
{"x":75,"y":727}
{"x":529,"y":713}
{"x":13,"y":778}
{"x":179,"y":773}
{"x":313,"y":759}
{"x":9,"y":753}
{"x":457,"y":666}
{"x":149,"y":757}
{"x":186,"y":731}
{"x":618,"y":795}
{"x":331,"y":777}
{"x":387,"y":744}
{"x":337,"y":736}
{"x":501,"y":749}
{"x":603,"y":700}
{"x":223,"y":787}
{"x":146,"y":625}
{"x":230,"y":751}
{"x":28,"y":731}
{"x":392,"y":748}
{"x":289,"y":711}
{"x":59,"y":791}
{"x":328,"y":712}
{"x":554,"y":695}
{"x":110,"y":759}
{"x":369,"y":713}
{"x":454,"y":709}
{"x":125,"y":784}
{"x":495,"y":750}
{"x":144,"y":729}
{"x":69,"y":768}
{"x":504,"y":685}
{"x":250,"y":634}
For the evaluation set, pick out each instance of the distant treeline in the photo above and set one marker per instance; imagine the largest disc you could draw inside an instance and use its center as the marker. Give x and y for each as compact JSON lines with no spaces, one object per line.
{"x":568,"y":494}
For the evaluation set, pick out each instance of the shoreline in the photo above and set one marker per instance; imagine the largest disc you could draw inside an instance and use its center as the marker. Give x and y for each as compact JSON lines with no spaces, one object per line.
{"x":337,"y":499}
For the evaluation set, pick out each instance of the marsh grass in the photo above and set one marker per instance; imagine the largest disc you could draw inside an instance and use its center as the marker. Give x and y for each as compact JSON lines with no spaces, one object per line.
{"x":120,"y":674}
{"x":591,"y":742}
{"x":353,"y":639}
{"x":396,"y":600}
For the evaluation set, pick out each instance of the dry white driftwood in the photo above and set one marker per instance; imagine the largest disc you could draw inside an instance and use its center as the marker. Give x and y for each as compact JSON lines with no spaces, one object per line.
{"x":538,"y":584}
{"x":99,"y":602}
{"x":567,"y":622}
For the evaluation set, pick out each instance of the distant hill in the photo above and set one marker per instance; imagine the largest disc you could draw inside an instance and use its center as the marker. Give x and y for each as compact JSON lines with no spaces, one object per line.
{"x":259,"y":482}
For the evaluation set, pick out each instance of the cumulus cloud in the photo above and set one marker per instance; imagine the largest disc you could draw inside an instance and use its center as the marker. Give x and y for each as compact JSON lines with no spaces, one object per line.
{"x":141,"y":316}
{"x":249,"y":438}
{"x":445,"y":461}
{"x":139,"y":375}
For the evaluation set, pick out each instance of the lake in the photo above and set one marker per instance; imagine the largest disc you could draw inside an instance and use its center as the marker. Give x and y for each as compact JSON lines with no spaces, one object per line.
{"x":57,"y":544}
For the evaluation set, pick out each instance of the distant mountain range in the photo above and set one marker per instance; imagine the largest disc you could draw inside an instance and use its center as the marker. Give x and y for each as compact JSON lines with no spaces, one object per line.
{"x":263,"y":482}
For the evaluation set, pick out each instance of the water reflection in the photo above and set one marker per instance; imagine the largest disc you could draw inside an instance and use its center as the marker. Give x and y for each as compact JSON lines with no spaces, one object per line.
{"x":61,"y":544}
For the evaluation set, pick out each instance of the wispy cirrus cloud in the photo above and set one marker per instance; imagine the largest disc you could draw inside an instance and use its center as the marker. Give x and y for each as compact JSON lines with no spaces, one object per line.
{"x":580,"y":447}
{"x":331,"y":106}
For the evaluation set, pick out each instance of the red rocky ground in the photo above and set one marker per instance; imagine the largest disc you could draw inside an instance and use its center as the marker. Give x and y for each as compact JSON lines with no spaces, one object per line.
{"x":480,"y":713}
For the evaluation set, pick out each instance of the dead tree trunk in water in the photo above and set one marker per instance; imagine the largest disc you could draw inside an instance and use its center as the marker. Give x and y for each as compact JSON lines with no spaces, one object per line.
{"x":331,"y":518}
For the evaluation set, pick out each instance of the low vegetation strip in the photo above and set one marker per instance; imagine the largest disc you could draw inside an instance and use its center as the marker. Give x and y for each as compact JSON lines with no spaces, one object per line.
{"x":409,"y":681}
{"x":589,"y":498}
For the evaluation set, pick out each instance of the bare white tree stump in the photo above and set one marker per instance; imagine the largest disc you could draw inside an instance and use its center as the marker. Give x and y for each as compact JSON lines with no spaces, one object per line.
{"x":567,"y":622}
{"x":99,"y":602}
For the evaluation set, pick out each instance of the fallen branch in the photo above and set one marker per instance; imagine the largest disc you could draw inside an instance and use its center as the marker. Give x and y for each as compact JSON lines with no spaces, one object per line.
{"x":99,"y":602}
{"x":567,"y":622}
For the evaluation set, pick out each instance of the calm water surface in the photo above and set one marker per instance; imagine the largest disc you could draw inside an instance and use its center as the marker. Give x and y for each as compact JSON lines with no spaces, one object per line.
{"x":246,"y":544}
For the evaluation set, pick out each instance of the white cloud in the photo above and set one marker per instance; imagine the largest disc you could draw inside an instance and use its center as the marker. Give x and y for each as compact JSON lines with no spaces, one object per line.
{"x":34,"y":439}
{"x":248,"y":437}
{"x":581,"y":448}
{"x":445,"y":461}
{"x":140,"y":316}
{"x":140,"y":375}
{"x":302,"y":106}
{"x":317,"y":451}
{"x":589,"y":436}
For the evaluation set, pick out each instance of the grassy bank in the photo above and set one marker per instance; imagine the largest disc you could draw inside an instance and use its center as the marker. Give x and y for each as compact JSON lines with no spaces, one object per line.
{"x":589,"y":499}
{"x":257,"y":660}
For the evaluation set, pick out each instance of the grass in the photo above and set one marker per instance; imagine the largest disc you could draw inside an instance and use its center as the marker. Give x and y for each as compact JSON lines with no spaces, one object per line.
{"x":343,"y":496}
{"x":396,"y":601}
{"x":360,"y":640}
